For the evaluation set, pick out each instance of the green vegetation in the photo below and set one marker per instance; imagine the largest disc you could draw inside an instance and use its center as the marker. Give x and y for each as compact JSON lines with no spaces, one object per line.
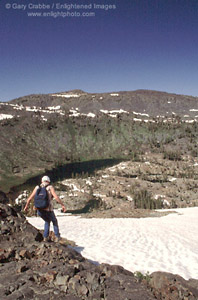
{"x":41,"y":146}
{"x":140,"y":277}
{"x":143,"y":199}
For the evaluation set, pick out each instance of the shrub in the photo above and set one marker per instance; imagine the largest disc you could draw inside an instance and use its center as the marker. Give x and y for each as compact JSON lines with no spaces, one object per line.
{"x":172,"y":155}
{"x":140,"y":277}
{"x":143,"y":199}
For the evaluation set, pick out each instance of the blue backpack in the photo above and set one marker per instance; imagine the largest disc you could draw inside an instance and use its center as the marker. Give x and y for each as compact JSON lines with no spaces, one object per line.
{"x":41,"y":199}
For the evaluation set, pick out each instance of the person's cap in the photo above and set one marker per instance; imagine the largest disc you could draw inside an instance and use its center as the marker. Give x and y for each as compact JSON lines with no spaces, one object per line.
{"x":45,"y":178}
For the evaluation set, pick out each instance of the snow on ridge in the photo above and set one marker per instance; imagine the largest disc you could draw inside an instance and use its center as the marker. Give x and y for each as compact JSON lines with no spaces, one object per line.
{"x":34,"y":108}
{"x":5,"y":116}
{"x":18,"y":107}
{"x":91,"y":115}
{"x":135,"y":113}
{"x":66,"y":95}
{"x":193,"y":109}
{"x":172,"y":179}
{"x":43,"y":118}
{"x":75,"y":113}
{"x":137,"y":120}
{"x":49,"y":110}
{"x":190,"y":121}
{"x":113,"y":113}
{"x":114,"y":95}
{"x":54,"y":107}
{"x":15,"y":106}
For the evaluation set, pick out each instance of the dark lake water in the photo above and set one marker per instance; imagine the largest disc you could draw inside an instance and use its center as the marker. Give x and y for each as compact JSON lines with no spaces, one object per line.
{"x":68,"y":171}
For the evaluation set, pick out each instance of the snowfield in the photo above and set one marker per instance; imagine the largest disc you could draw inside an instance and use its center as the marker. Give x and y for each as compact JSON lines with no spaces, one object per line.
{"x":168,"y":244}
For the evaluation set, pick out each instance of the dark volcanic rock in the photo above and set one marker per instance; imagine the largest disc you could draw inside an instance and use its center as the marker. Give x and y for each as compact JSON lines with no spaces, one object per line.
{"x":3,"y":198}
{"x":170,"y":286}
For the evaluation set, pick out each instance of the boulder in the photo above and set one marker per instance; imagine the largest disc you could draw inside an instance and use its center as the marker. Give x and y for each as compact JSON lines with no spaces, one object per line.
{"x":173,"y":287}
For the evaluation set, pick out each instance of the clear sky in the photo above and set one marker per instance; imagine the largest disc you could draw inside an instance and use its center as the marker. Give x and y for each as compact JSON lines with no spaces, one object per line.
{"x":124,"y":45}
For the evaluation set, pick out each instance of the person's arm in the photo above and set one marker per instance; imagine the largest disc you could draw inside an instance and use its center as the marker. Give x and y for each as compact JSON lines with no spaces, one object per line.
{"x":57,"y":199}
{"x":30,"y":199}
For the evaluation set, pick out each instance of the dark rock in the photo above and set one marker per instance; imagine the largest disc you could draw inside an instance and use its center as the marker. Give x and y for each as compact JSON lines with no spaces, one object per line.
{"x":174,"y":286}
{"x":3,"y":198}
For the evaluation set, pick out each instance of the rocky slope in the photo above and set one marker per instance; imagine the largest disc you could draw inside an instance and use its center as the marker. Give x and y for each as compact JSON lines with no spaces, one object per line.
{"x":131,"y":188}
{"x":32,"y":269}
{"x":50,"y":132}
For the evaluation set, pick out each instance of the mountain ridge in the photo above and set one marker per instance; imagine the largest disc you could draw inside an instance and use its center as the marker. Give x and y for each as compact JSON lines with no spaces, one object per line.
{"x":76,"y":126}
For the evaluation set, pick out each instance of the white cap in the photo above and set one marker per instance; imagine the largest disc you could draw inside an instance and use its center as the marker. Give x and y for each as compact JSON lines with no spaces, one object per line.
{"x":45,"y":178}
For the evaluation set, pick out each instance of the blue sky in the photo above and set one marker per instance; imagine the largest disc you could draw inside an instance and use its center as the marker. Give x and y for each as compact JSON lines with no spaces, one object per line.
{"x":138,"y":44}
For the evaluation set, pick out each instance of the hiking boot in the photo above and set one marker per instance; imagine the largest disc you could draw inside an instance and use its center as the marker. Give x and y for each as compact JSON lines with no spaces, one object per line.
{"x":46,"y":239}
{"x":57,"y":239}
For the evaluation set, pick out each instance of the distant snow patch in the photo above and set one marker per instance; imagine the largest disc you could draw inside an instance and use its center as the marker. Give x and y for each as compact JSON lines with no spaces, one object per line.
{"x":114,"y":95}
{"x":18,"y":107}
{"x":74,"y":113}
{"x":129,"y":198}
{"x":135,"y":113}
{"x":5,"y":116}
{"x":105,"y":176}
{"x":114,"y":113}
{"x":43,"y":118}
{"x":193,"y":109}
{"x":190,"y":121}
{"x":54,"y":107}
{"x":91,"y":115}
{"x":66,"y":95}
{"x":172,"y":179}
{"x":88,"y":182}
{"x":34,"y":108}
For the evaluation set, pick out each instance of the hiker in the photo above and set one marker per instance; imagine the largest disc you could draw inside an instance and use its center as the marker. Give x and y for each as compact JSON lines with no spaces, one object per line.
{"x":47,"y":214}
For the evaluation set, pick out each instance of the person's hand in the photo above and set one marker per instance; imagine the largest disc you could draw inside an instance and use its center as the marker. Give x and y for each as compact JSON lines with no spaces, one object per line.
{"x":63,"y":208}
{"x":25,"y":208}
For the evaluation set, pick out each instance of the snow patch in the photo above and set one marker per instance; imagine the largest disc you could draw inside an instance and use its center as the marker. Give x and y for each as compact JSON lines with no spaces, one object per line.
{"x":114,"y":95}
{"x":172,"y":179}
{"x":167,"y":244}
{"x":66,"y":95}
{"x":135,"y":113}
{"x":54,"y":107}
{"x":6,"y":116}
{"x":91,"y":115}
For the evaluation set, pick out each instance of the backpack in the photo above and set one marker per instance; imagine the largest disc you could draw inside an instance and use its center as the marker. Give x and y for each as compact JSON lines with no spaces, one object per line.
{"x":41,"y":199}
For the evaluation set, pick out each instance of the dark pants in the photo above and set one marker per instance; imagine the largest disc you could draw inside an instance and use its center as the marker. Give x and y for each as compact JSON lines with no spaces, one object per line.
{"x":49,"y":216}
